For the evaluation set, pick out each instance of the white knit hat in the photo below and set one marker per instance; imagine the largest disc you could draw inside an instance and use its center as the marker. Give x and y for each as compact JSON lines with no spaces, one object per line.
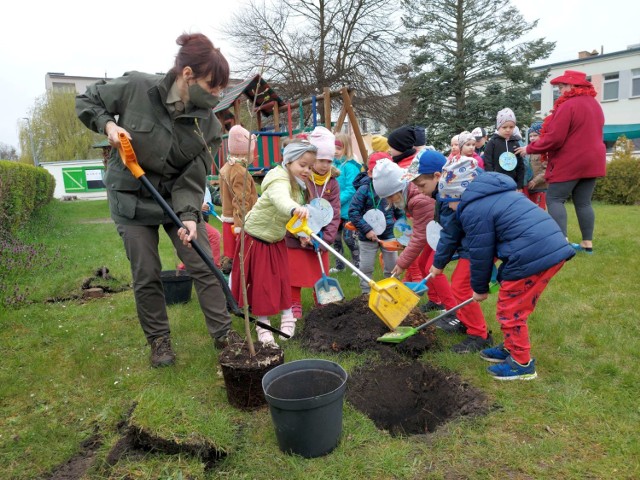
{"x":387,"y":178}
{"x":325,"y":141}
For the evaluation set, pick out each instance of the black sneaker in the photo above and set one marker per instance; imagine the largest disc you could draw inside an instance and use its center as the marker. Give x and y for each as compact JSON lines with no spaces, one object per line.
{"x":473,"y":344}
{"x":231,"y":338}
{"x":161,"y":352}
{"x":431,"y":306}
{"x":451,"y":324}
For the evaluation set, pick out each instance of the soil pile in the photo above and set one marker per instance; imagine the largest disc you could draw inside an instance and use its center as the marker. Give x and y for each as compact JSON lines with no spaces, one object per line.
{"x":412,"y":398}
{"x":352,"y":326}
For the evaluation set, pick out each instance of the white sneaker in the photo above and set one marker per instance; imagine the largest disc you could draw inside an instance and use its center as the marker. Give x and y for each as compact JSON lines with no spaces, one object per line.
{"x":354,"y":274}
{"x":336,"y":270}
{"x":288,"y":326}
{"x":266,"y":337}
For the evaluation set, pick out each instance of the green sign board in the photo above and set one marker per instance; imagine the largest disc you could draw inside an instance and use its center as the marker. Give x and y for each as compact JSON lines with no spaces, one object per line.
{"x":83,"y":179}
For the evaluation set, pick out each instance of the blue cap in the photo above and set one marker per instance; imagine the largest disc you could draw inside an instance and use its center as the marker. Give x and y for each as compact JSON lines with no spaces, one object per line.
{"x":425,"y":162}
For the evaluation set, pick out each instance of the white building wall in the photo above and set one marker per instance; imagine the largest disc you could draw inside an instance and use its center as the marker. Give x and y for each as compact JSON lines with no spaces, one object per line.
{"x":624,"y":110}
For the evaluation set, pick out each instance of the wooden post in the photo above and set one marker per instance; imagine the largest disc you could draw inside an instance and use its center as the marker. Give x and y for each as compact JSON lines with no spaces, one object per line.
{"x":276,"y":118}
{"x":236,"y":111}
{"x":326,"y":96}
{"x":353,"y":121}
{"x":259,"y":118}
{"x":343,"y":112}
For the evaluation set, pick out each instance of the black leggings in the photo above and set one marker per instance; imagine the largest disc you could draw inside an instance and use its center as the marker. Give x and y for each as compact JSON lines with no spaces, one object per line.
{"x":581,"y":192}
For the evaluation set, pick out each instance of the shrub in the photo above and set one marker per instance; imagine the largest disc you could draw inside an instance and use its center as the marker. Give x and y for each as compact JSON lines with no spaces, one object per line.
{"x":622,"y":183}
{"x":23,"y":188}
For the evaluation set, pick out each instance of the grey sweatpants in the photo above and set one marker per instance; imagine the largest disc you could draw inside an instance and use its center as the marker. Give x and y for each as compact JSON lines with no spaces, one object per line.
{"x":581,"y":192}
{"x":368,"y":254}
{"x":141,"y":245}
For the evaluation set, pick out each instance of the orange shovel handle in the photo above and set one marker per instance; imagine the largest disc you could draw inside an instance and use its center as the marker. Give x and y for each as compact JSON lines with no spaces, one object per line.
{"x":129,"y":156}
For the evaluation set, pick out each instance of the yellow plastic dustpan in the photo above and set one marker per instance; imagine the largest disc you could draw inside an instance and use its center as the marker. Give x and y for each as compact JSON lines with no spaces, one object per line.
{"x":390,"y":299}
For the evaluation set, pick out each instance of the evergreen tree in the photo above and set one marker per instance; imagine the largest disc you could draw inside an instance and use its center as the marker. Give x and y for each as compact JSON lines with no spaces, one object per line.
{"x":467,"y":63}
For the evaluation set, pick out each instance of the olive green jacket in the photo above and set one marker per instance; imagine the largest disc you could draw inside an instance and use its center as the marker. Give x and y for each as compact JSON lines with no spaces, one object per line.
{"x":268,"y":218}
{"x":173,"y":152}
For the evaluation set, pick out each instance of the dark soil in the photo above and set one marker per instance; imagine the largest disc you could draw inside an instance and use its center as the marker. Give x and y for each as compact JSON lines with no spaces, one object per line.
{"x":137,"y":440}
{"x":243,"y":374}
{"x":352,"y":326}
{"x":410,"y":397}
{"x":78,"y":465}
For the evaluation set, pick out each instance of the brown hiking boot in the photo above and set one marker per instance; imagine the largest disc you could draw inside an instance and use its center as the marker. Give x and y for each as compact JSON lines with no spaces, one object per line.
{"x":161,"y":352}
{"x":231,"y":338}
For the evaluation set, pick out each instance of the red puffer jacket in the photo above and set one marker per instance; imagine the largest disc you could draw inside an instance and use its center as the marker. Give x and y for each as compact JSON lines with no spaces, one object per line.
{"x":421,"y":208}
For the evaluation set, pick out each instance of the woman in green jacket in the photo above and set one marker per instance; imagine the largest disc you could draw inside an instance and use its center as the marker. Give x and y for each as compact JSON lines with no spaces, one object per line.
{"x":172,"y":129}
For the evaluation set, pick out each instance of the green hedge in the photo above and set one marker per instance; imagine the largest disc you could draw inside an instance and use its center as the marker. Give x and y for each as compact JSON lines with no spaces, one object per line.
{"x":621,"y":186}
{"x":23,"y":189}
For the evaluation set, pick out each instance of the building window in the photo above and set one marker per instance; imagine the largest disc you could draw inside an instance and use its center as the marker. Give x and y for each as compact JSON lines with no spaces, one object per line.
{"x":635,"y":82}
{"x":536,"y":99}
{"x":610,"y":88}
{"x":556,"y":94}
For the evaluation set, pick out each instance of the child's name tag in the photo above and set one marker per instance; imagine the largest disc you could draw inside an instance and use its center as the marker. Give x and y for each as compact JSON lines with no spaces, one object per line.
{"x":402,"y":230}
{"x":375,"y":218}
{"x":508,"y":161}
{"x":433,"y":234}
{"x":325,"y":210}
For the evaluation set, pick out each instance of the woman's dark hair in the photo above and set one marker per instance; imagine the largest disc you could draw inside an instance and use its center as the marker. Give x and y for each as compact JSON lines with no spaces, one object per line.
{"x":197,"y":51}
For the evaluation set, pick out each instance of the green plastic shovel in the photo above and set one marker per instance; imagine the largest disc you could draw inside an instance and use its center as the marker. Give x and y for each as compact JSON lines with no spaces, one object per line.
{"x":400,"y":334}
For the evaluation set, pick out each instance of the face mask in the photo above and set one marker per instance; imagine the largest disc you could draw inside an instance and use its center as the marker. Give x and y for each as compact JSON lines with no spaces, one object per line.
{"x":201,"y":98}
{"x":301,"y":183}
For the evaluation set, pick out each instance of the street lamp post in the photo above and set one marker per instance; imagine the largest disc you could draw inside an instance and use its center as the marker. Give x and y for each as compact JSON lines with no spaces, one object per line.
{"x":33,"y":147}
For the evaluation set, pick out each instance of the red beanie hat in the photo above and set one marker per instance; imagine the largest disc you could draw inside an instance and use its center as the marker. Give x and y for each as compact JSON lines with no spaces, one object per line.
{"x":374,"y":157}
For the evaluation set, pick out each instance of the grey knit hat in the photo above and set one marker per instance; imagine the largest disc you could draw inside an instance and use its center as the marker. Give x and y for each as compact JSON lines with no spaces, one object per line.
{"x":505,"y":115}
{"x":387,"y":178}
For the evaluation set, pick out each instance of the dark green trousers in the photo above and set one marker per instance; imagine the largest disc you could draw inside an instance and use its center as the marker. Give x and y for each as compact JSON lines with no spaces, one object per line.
{"x":141,"y":245}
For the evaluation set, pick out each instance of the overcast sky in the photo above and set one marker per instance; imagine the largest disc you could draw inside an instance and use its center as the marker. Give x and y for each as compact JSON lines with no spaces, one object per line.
{"x":95,"y":39}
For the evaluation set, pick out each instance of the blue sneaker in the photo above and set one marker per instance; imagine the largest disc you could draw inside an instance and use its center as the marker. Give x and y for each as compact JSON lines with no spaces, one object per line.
{"x":512,"y":370}
{"x":579,"y":248}
{"x":497,"y":354}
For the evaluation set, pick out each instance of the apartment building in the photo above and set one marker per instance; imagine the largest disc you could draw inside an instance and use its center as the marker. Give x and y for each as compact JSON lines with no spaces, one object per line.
{"x":616,"y":78}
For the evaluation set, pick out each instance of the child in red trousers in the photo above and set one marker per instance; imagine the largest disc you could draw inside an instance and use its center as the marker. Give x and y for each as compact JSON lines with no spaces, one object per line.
{"x":425,"y":173}
{"x":499,"y":222}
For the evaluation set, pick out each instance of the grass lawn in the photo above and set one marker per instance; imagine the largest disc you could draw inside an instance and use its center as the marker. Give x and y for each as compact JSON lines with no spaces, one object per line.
{"x":73,"y":368}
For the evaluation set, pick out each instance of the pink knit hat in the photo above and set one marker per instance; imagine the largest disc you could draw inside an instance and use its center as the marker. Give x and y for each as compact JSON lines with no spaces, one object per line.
{"x":325,"y":141}
{"x":239,"y":140}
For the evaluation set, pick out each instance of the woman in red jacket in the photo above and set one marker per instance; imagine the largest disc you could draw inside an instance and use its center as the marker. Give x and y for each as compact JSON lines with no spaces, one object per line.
{"x":572,"y":142}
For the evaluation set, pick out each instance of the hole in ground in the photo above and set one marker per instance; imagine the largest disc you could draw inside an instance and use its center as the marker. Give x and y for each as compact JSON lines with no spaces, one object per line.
{"x":408,"y":398}
{"x":352,"y":326}
{"x":78,"y":465}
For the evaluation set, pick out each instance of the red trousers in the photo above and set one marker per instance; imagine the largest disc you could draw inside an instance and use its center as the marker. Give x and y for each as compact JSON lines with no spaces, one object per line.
{"x":439,"y":288}
{"x":228,"y":240}
{"x":539,"y":198}
{"x":516,"y":300}
{"x":471,"y":316}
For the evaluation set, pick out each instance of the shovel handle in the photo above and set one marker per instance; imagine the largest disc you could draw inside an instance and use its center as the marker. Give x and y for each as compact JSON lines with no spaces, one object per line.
{"x":131,"y":163}
{"x":303,"y":227}
{"x":444,"y":314}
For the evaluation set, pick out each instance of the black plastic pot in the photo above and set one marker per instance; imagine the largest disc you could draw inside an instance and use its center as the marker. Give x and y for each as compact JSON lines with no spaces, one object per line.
{"x":177,"y":285}
{"x":305,"y":398}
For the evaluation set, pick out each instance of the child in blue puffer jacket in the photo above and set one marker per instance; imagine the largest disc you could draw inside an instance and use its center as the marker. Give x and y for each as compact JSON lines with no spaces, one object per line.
{"x":500,"y":222}
{"x":366,"y":200}
{"x":349,"y":169}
